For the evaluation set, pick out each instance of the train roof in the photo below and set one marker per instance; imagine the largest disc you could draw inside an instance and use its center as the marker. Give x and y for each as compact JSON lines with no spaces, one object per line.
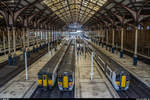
{"x":112,"y":64}
{"x":66,"y":64}
{"x":50,"y":66}
{"x":69,"y":68}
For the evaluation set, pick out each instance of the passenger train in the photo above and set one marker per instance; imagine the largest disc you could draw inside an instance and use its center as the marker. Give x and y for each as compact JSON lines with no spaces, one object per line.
{"x":119,"y":77}
{"x":66,"y":70}
{"x":48,"y":74}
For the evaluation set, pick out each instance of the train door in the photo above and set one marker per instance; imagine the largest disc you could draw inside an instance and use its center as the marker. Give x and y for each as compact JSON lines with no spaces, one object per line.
{"x":70,"y":81}
{"x":123,"y":81}
{"x":44,"y":80}
{"x":50,"y":80}
{"x":65,"y":82}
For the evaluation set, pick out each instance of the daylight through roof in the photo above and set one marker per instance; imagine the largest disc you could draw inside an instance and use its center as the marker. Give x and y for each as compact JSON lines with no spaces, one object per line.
{"x":75,"y":10}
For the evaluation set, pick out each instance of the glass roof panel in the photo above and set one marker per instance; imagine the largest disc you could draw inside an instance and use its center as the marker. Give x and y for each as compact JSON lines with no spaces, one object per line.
{"x":75,"y":10}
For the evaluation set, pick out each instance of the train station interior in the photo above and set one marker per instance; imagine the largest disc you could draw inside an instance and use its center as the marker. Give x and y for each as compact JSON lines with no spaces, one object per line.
{"x":75,"y":49}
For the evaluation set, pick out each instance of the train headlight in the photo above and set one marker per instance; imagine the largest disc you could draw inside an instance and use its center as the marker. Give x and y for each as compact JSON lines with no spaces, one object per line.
{"x":128,"y":82}
{"x":39,"y":82}
{"x":60,"y":83}
{"x":50,"y":82}
{"x":70,"y":83}
{"x":117,"y":83}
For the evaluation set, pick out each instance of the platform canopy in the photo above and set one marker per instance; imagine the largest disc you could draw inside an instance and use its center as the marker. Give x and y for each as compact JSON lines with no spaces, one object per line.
{"x":119,"y":12}
{"x":75,"y":10}
{"x":86,"y":12}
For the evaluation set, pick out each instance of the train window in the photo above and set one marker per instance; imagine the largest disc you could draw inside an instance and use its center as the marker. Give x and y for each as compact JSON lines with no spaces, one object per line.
{"x":70,"y":77}
{"x":108,"y":71}
{"x":60,"y":79}
{"x":117,"y":77}
{"x":111,"y":75}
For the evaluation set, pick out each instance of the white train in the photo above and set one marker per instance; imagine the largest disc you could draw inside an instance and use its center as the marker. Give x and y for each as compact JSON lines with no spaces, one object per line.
{"x":119,"y":77}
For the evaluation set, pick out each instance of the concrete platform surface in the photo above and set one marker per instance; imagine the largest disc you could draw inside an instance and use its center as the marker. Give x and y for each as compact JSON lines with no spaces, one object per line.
{"x":19,"y":87}
{"x":87,"y":88}
{"x":4,"y":58}
{"x":95,"y":90}
{"x":141,"y":71}
{"x":16,"y":89}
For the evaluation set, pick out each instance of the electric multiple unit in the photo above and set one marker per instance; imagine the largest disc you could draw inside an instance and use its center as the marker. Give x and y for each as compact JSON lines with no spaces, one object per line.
{"x":66,"y":71}
{"x":48,"y":74}
{"x":119,"y":77}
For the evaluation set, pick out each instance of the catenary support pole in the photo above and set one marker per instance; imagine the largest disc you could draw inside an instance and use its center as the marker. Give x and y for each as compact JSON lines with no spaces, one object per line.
{"x":4,"y":43}
{"x":8,"y":29}
{"x":121,"y":51}
{"x":26,"y":66}
{"x":135,"y":49}
{"x":113,"y":40}
{"x":14,"y":39}
{"x":14,"y":46}
{"x":92,"y":73}
{"x":23,"y":37}
{"x":107,"y":38}
{"x":28,"y":40}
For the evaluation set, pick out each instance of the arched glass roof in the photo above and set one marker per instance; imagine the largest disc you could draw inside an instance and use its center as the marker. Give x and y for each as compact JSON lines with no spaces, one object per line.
{"x":75,"y":10}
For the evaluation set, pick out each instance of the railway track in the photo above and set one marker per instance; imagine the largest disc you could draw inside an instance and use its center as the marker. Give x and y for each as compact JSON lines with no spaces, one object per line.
{"x":3,"y":64}
{"x":15,"y":70}
{"x":137,"y":89}
{"x":53,"y":93}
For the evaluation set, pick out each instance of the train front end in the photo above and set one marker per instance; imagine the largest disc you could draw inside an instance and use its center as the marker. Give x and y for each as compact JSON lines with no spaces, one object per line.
{"x":122,"y":81}
{"x":65,"y":82}
{"x":45,"y":80}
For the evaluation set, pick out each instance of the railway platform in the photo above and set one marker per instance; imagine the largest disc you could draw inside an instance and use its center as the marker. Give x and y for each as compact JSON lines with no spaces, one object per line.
{"x":141,"y":71}
{"x":4,"y":58}
{"x":19,"y":87}
{"x":99,"y":87}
